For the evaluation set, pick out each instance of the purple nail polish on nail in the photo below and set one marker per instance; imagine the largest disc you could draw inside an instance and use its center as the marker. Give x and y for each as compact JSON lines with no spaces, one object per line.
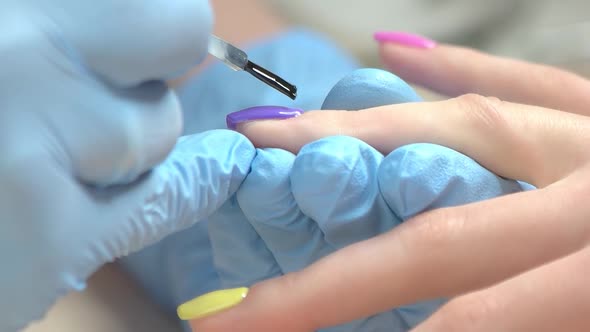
{"x":260,"y":113}
{"x":403,"y":38}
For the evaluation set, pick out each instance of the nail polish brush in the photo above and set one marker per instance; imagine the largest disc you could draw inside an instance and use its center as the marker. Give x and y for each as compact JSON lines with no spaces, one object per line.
{"x":237,"y":60}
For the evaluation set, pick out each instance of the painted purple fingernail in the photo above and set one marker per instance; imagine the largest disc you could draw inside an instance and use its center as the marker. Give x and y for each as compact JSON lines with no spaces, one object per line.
{"x":261,"y":113}
{"x":403,"y":38}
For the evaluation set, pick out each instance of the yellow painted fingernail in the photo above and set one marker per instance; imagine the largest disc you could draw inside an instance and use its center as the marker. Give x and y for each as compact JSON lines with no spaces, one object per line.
{"x":211,"y":303}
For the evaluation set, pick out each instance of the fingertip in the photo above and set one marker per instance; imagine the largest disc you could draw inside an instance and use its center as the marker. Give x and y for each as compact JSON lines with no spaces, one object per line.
{"x":293,"y":134}
{"x":271,"y":112}
{"x":211,"y":303}
{"x":219,"y":315}
{"x":401,"y":178}
{"x":270,"y":163}
{"x":369,"y":87}
{"x":211,"y":164}
{"x":283,"y":294}
{"x":271,"y":134}
{"x":331,"y":175}
{"x":391,"y":53}
{"x":446,"y":69}
{"x":405,"y":39}
{"x":288,"y":134}
{"x":419,"y":177}
{"x":266,"y":126}
{"x":232,"y":152}
{"x":266,"y":184}
{"x":412,"y":65}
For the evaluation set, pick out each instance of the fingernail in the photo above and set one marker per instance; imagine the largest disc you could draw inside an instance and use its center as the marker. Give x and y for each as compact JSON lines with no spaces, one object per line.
{"x":261,"y":113}
{"x":403,"y":38}
{"x":211,"y":303}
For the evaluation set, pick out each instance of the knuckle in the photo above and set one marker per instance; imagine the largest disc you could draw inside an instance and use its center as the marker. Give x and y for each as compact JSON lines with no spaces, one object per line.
{"x":482,"y":112}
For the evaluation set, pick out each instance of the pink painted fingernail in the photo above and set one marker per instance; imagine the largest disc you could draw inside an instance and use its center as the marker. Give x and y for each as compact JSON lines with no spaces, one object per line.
{"x":403,"y":38}
{"x":260,"y":113}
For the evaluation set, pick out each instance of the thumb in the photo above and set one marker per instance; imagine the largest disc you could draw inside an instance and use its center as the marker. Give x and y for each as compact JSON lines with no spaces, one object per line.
{"x":247,"y":310}
{"x":509,"y":139}
{"x":128,"y":42}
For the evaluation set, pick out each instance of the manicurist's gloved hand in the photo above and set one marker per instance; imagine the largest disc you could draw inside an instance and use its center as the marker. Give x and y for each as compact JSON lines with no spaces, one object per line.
{"x":180,"y":267}
{"x":84,"y":114}
{"x":292,"y":210}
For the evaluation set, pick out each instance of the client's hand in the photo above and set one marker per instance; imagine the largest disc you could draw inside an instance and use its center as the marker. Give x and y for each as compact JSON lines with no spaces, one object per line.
{"x":497,"y":258}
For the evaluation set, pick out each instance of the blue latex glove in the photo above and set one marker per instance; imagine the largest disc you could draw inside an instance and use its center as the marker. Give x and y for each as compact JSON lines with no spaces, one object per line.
{"x":83,"y":107}
{"x":292,"y":210}
{"x":180,"y":267}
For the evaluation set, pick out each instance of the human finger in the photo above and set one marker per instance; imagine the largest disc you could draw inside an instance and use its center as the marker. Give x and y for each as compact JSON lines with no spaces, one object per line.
{"x":550,"y":298}
{"x":509,"y":139}
{"x":369,"y":87}
{"x":134,"y":41}
{"x":461,"y":241}
{"x":454,"y":71}
{"x":334,"y":181}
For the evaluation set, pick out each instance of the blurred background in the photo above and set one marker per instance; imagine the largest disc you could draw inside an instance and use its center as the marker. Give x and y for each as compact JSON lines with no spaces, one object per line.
{"x":547,"y":31}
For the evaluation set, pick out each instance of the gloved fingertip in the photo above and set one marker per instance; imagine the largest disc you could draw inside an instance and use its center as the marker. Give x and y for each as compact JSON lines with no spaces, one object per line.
{"x":334,"y":181}
{"x":164,"y":39}
{"x":260,"y":113}
{"x":368,"y":87}
{"x":400,"y":177}
{"x":269,"y":174}
{"x":209,"y":167}
{"x":418,"y":177}
{"x":266,"y":190}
